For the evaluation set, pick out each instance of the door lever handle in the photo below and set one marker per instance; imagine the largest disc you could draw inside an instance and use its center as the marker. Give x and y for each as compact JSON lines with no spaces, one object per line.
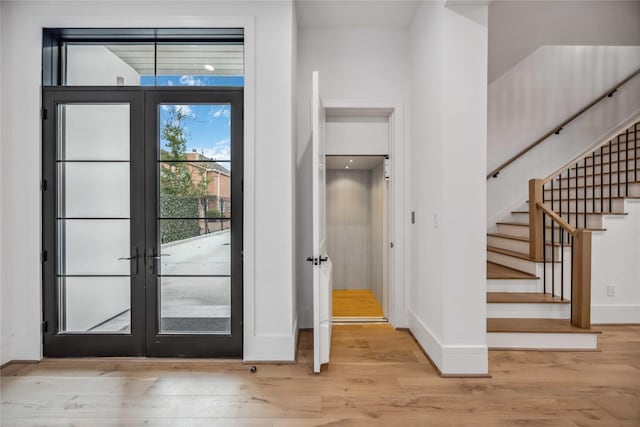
{"x":131,"y":258}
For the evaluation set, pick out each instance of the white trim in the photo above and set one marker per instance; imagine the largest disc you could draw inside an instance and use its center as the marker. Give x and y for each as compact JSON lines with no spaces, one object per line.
{"x":450,"y":359}
{"x":615,"y":313}
{"x":397,"y":304}
{"x":534,"y":341}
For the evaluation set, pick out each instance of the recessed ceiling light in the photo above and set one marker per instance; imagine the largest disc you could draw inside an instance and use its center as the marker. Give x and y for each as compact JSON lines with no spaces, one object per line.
{"x":350,"y":160}
{"x":346,"y":167}
{"x":209,"y":67}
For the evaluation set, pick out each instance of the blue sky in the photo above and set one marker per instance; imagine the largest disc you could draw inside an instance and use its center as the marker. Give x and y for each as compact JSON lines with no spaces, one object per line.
{"x":208,"y":126}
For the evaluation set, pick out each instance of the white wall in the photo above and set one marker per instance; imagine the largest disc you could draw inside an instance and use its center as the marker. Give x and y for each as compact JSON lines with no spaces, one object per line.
{"x":364,"y":64}
{"x":378,"y":209}
{"x":4,"y":334}
{"x":540,"y":92}
{"x":448,"y":159}
{"x":96,"y":66}
{"x":361,"y":135}
{"x":517,"y":28}
{"x":268,"y":251}
{"x":617,"y":252}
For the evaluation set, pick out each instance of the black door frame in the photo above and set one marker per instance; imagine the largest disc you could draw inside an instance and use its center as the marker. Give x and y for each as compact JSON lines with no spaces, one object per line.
{"x":143,"y":339}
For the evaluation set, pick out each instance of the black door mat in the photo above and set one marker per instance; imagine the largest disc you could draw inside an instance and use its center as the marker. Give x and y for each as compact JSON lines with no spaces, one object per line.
{"x":195,"y":324}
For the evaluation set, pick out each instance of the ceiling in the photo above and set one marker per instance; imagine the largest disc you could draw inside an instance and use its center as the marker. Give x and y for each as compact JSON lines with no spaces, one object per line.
{"x":356,"y":13}
{"x":353,"y":162}
{"x":179,"y":59}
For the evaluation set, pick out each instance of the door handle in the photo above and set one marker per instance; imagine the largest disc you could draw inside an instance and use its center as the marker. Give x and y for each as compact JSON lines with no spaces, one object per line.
{"x":135,"y":257}
{"x":317,"y":261}
{"x":321,"y":260}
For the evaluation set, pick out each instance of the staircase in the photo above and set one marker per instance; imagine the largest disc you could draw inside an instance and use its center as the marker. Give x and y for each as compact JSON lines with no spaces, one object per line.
{"x":529,"y":297}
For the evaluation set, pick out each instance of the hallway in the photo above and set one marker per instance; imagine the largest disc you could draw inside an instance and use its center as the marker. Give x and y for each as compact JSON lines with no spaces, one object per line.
{"x":377,"y":377}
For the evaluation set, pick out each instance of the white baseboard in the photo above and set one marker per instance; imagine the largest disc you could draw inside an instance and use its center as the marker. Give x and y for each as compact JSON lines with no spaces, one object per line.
{"x":450,"y":360}
{"x":270,"y":348}
{"x":615,"y":313}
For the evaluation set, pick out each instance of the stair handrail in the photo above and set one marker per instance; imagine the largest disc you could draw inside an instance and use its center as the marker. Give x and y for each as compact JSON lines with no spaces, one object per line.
{"x":557,"y":129}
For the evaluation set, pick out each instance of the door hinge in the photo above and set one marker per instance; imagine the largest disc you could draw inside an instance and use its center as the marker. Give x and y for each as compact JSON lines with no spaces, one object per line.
{"x":43,"y":185}
{"x":43,"y":114}
{"x":43,"y":256}
{"x":45,"y":326}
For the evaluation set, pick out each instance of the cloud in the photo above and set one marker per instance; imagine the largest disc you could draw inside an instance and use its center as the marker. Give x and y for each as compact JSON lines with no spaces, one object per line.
{"x":184,"y":109}
{"x":223,"y":111}
{"x":190,"y":81}
{"x":220,"y":150}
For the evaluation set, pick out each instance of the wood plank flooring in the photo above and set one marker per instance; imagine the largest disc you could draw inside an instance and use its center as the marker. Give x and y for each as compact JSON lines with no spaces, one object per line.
{"x":377,"y":377}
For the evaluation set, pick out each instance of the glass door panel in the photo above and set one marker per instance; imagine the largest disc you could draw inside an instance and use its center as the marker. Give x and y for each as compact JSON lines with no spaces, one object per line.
{"x":197,"y":292}
{"x":93,"y":281}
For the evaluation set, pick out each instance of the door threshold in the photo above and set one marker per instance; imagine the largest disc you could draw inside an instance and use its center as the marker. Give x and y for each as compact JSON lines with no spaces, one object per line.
{"x":342,"y":320}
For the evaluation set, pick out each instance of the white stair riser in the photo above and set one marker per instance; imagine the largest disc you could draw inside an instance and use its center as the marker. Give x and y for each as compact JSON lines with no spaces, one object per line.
{"x":594,"y":220}
{"x":632,"y":190}
{"x":513,"y":285}
{"x":513,"y":230}
{"x":528,"y":311}
{"x":513,"y":262}
{"x":547,"y":341}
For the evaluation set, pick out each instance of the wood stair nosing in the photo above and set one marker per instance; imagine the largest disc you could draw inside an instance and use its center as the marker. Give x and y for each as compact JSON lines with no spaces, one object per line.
{"x":537,"y":326}
{"x":596,"y":185}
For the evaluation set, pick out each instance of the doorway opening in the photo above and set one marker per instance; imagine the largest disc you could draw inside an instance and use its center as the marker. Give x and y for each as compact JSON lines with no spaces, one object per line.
{"x":142,"y":158}
{"x":357,"y":215}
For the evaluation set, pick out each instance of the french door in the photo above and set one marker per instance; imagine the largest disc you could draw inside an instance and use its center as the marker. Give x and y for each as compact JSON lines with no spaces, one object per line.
{"x":142,"y":250}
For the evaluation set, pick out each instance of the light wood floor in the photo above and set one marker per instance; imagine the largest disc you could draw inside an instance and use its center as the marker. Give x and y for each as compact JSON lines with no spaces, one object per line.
{"x":377,"y":377}
{"x":356,"y":303}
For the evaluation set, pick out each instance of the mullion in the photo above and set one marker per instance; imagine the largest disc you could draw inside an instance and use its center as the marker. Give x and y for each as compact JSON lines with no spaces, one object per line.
{"x":193,"y":161}
{"x":179,"y":218}
{"x":194,"y":275}
{"x":93,"y":161}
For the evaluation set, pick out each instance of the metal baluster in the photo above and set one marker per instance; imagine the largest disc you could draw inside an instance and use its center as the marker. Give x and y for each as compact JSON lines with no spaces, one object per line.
{"x":618,"y":165}
{"x":593,"y":182}
{"x":569,"y":200}
{"x":610,"y":175}
{"x":584,"y":200}
{"x":635,"y":152}
{"x":601,"y":184}
{"x":626,"y":165}
{"x":553,"y":231}
{"x":562,"y":240}
{"x":571,"y":290}
{"x":544,"y":252}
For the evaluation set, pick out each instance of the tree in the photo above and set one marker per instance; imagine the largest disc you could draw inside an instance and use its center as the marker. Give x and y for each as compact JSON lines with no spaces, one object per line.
{"x":176,"y":176}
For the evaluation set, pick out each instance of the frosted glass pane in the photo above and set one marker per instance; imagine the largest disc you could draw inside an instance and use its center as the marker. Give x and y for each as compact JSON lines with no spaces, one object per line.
{"x":94,"y":246}
{"x":94,"y":190}
{"x":95,"y":304}
{"x":208,"y":254}
{"x":94,"y":131}
{"x":195,"y":305}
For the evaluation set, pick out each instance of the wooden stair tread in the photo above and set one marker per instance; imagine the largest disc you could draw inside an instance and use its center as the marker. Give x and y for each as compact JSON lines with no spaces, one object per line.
{"x":540,"y":326}
{"x":521,"y":239}
{"x":524,"y":298}
{"x":520,"y":224}
{"x":515,"y":254}
{"x":582,"y":199}
{"x":502,"y":272}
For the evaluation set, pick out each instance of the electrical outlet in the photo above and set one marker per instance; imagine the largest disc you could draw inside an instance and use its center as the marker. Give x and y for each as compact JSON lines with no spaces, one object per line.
{"x":611,"y":290}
